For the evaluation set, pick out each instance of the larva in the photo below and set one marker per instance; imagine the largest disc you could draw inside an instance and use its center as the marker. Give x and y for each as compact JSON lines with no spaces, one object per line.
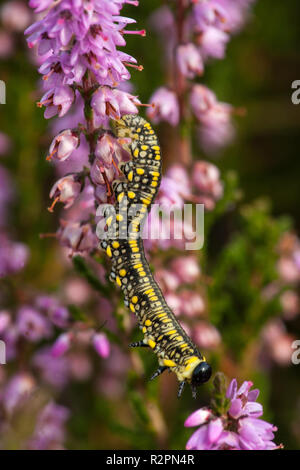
{"x":130,"y":270}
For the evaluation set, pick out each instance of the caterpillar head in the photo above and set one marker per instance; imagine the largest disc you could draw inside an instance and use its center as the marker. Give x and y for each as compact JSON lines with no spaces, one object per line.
{"x":201,"y":374}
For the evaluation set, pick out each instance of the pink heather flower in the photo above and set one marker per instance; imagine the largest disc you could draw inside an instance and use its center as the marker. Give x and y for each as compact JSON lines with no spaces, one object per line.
{"x":214,"y":20}
{"x":81,"y":368}
{"x":290,"y":304}
{"x":216,"y":129}
{"x":167,"y":279}
{"x":5,"y":320}
{"x":79,"y":237}
{"x":288,"y":270}
{"x":82,"y":36}
{"x":76,"y":291}
{"x":99,"y":172}
{"x":239,"y":428}
{"x":61,"y":345}
{"x":186,"y":268}
{"x":277,"y":342}
{"x":63,"y":145}
{"x":13,"y":256}
{"x":17,"y":390}
{"x":15,"y":15}
{"x":189,"y":60}
{"x":65,"y":190}
{"x":40,"y":5}
{"x":180,"y":178}
{"x":50,"y":432}
{"x":101,"y":345}
{"x":32,"y":324}
{"x":206,"y":336}
{"x":206,"y":178}
{"x":213,"y":43}
{"x":192,"y":303}
{"x":174,"y":302}
{"x":6,"y":44}
{"x":57,"y":101}
{"x":166,"y":107}
{"x":169,"y":194}
{"x":53,"y":370}
{"x":113,"y":103}
{"x":57,"y":314}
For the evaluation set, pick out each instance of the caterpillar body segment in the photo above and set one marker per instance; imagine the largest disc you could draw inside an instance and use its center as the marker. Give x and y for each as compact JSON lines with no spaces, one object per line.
{"x":130,"y":270}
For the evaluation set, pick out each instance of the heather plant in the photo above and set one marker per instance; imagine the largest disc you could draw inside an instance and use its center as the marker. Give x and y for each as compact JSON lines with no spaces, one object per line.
{"x":70,"y":380}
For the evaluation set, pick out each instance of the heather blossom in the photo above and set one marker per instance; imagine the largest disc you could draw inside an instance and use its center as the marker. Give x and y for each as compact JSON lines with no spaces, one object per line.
{"x":235,"y":424}
{"x":83,"y":76}
{"x":191,"y":39}
{"x":166,"y":107}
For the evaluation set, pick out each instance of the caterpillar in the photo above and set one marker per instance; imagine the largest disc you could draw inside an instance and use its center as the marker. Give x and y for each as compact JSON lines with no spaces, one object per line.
{"x":130,"y":270}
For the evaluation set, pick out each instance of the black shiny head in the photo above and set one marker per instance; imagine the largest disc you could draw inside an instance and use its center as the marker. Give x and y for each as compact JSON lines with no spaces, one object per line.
{"x":201,"y":374}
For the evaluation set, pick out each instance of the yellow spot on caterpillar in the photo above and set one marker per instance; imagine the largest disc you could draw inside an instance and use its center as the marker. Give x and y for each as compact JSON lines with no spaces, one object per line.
{"x":122,"y":272}
{"x":136,"y":153}
{"x":171,"y":332}
{"x":131,"y":194}
{"x":157,"y":157}
{"x":145,"y":147}
{"x":149,"y":291}
{"x":154,"y":184}
{"x":151,"y":343}
{"x":179,"y":338}
{"x":119,"y":217}
{"x":169,"y":363}
{"x":148,"y":322}
{"x":155,"y":173}
{"x":120,"y":197}
{"x":155,"y":147}
{"x":140,"y":171}
{"x":144,"y":329}
{"x":115,"y":244}
{"x":134,"y":299}
{"x":131,"y":306}
{"x":108,"y":251}
{"x":146,"y":201}
{"x":139,"y":129}
{"x":135,"y":249}
{"x":142,"y":274}
{"x":192,"y":359}
{"x":118,"y":281}
{"x":109,"y":221}
{"x":130,"y":175}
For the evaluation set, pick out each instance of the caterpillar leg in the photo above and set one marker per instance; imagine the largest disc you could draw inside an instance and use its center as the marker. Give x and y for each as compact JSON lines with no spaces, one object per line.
{"x":194,"y":392}
{"x":139,"y":344}
{"x":181,"y":387}
{"x":159,"y":371}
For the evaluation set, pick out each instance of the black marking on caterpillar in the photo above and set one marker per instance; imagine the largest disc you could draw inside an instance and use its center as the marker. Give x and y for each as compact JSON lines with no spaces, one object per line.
{"x":130,"y":270}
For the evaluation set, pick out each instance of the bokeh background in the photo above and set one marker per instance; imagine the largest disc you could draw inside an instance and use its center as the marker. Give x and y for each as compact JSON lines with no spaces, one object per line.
{"x":111,"y":407}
